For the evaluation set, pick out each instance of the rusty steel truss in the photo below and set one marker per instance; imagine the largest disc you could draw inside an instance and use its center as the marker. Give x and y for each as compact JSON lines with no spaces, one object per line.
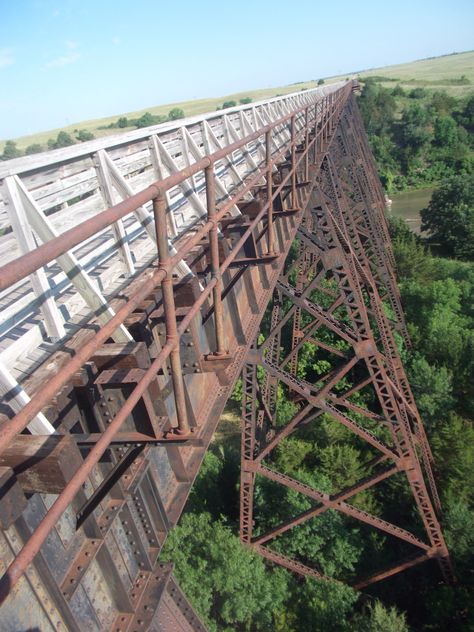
{"x":344,"y":255}
{"x":101,"y":440}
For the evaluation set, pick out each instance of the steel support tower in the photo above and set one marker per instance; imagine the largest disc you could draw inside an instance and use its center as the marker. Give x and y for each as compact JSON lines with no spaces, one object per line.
{"x":135,"y":274}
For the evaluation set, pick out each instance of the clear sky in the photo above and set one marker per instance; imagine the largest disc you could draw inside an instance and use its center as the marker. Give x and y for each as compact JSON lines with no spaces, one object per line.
{"x":63,"y":61}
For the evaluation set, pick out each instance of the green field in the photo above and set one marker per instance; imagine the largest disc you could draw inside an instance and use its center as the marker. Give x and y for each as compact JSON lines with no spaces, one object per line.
{"x":437,"y":73}
{"x":440,"y":73}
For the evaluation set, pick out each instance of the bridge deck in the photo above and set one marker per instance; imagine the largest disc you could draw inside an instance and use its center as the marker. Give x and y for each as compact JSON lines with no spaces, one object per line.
{"x":124,"y":333}
{"x":98,"y":564}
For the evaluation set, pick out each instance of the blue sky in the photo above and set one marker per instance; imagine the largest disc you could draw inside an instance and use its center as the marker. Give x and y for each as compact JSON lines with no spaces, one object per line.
{"x":66,"y":61}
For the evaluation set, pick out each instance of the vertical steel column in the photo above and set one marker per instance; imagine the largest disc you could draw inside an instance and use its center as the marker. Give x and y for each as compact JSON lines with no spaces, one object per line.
{"x":315,"y":132}
{"x":306,"y":143}
{"x":215,"y":264}
{"x":268,"y":159}
{"x":325,"y":119}
{"x":159,"y":213}
{"x":293,"y":162}
{"x":247,"y":477}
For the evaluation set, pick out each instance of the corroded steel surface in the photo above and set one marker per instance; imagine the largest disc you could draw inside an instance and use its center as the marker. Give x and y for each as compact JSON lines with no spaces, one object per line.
{"x":334,"y":294}
{"x":140,"y":388}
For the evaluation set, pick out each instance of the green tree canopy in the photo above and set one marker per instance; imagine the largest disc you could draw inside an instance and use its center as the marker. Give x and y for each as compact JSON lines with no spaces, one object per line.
{"x":378,"y":618}
{"x":227,"y":582}
{"x":445,"y":131}
{"x":10,"y":150}
{"x":84,"y":134}
{"x":175,"y":113}
{"x":34,"y":148}
{"x":449,"y":217}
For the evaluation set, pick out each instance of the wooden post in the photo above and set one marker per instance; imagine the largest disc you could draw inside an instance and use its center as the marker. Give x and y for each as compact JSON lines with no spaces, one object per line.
{"x":42,"y":464}
{"x":108,"y":194}
{"x":18,"y":399}
{"x":53,"y":320}
{"x":86,"y":287}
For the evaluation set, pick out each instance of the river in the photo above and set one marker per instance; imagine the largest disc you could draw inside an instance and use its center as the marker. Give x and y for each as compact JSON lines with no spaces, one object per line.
{"x":409,"y":204}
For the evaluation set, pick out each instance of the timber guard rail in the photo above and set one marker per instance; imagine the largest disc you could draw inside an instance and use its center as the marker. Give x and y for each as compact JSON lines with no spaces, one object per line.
{"x":102,"y":438}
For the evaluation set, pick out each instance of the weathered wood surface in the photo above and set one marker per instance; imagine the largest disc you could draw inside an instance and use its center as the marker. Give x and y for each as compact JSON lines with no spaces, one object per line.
{"x":42,"y":464}
{"x":70,"y":185}
{"x":105,"y":574}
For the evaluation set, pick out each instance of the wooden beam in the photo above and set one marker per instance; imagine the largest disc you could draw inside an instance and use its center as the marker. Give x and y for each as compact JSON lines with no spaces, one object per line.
{"x":18,"y":398}
{"x":143,"y":215}
{"x":53,"y":320}
{"x":12,"y":499}
{"x":194,"y":150}
{"x":42,"y":463}
{"x":210,"y":139}
{"x":232,"y":137}
{"x":86,"y":287}
{"x":165,"y":160}
{"x":104,"y":177}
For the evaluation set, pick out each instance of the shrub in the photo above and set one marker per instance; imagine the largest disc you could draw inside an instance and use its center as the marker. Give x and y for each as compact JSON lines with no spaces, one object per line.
{"x":10,"y":150}
{"x":175,"y":113}
{"x":35,"y":148}
{"x":84,"y":134}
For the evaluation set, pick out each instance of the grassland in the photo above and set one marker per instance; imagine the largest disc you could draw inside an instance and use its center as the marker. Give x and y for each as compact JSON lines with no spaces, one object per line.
{"x":440,"y":73}
{"x":437,"y":73}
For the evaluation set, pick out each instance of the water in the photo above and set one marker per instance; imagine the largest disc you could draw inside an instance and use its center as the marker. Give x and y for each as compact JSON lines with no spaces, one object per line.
{"x":409,"y":204}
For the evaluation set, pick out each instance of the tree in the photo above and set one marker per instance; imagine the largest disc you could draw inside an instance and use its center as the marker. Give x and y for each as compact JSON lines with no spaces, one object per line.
{"x":328,"y":542}
{"x":414,"y":131}
{"x":378,"y":108}
{"x":442,"y":102}
{"x":398,"y":91}
{"x":145,"y":120}
{"x":122,"y":122}
{"x":445,"y":131}
{"x":453,"y":448}
{"x":245,"y":100}
{"x":466,"y":117}
{"x":417,"y":93}
{"x":449,"y":217}
{"x":411,"y":256}
{"x":378,"y":618}
{"x":432,"y":387}
{"x":175,"y":113}
{"x":323,"y":605}
{"x":320,"y":82}
{"x":229,"y":104}
{"x":63,"y":139}
{"x":35,"y":148}
{"x":84,"y":135}
{"x":10,"y":150}
{"x":229,"y":584}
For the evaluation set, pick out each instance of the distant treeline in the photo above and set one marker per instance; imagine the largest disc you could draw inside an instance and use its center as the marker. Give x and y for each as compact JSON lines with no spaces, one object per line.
{"x":232,"y":103}
{"x":145,"y":120}
{"x":418,"y":136}
{"x":64,"y":139}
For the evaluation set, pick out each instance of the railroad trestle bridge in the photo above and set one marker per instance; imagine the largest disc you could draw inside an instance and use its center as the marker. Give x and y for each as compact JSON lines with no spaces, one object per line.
{"x":135,"y":273}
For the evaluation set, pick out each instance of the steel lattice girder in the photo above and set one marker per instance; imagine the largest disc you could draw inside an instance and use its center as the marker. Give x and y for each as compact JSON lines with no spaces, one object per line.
{"x":345,"y":255}
{"x":135,"y":416}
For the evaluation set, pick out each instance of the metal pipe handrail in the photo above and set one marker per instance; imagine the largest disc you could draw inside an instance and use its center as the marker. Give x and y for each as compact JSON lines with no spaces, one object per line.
{"x":23,"y":266}
{"x":20,"y":421}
